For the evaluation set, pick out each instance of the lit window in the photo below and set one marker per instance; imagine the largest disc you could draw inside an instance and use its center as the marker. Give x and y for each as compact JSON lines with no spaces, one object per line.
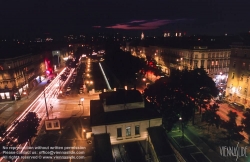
{"x":56,"y":124}
{"x":119,"y":132}
{"x":196,"y":64}
{"x":212,"y":62}
{"x":202,"y":63}
{"x":128,"y":131}
{"x":137,"y":130}
{"x":216,"y":62}
{"x":49,"y":125}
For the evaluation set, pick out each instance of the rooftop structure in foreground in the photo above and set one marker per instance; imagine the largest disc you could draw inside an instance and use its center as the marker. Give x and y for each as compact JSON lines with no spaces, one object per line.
{"x":120,"y":117}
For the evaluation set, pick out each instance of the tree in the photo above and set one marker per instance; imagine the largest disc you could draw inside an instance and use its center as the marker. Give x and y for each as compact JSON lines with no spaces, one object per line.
{"x":181,"y":93}
{"x":246,"y":123}
{"x":27,"y":128}
{"x":211,"y":117}
{"x":123,"y":65}
{"x":233,"y":130}
{"x":198,"y":85}
{"x":3,"y":129}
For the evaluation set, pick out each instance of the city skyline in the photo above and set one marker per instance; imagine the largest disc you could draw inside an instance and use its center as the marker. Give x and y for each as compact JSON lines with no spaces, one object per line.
{"x":30,"y":18}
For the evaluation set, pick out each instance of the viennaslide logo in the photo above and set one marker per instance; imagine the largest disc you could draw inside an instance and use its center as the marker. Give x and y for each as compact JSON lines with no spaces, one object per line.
{"x":233,"y":151}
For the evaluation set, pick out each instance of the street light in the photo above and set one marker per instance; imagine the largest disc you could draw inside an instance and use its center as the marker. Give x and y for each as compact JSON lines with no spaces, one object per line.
{"x":82,"y":99}
{"x":180,"y":119}
{"x":51,"y":109}
{"x":45,"y":102}
{"x":84,"y":133}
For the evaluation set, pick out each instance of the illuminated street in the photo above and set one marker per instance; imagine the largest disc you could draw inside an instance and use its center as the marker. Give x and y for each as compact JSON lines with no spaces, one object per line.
{"x":223,"y":111}
{"x":68,"y":108}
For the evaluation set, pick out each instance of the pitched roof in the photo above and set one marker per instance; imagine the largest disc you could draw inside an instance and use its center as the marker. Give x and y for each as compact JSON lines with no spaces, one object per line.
{"x":99,"y":117}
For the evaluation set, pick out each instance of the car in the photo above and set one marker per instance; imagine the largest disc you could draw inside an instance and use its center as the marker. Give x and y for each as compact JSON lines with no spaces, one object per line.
{"x":237,"y":106}
{"x":68,"y":89}
{"x":17,"y":96}
{"x":80,"y":90}
{"x":48,"y":81}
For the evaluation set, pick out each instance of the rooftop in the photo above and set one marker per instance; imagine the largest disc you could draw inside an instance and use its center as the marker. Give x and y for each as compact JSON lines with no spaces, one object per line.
{"x":99,"y":117}
{"x":13,"y":50}
{"x":121,"y":96}
{"x":162,"y":148}
{"x":103,"y":151}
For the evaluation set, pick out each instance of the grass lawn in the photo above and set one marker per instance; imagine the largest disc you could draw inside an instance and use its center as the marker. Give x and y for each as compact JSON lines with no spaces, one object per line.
{"x":182,"y":141}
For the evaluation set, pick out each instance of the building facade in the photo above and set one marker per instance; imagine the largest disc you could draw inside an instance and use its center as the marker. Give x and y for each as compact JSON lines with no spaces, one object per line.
{"x":18,"y":75}
{"x":214,"y":60}
{"x":239,"y":73}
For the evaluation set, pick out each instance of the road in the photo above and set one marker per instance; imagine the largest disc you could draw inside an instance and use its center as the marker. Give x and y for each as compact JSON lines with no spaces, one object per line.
{"x":223,"y":111}
{"x":66,"y":108}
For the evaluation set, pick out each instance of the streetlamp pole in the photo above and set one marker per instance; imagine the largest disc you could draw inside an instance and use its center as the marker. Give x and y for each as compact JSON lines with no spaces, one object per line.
{"x":82,"y":99}
{"x":45,"y":103}
{"x":182,"y":129}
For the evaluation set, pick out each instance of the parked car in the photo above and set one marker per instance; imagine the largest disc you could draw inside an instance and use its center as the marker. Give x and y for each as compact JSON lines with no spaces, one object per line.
{"x":68,"y":89}
{"x":17,"y":96}
{"x":80,"y":90}
{"x":237,"y":106}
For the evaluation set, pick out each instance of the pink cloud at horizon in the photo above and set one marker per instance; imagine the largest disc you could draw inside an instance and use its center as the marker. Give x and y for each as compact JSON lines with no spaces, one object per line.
{"x":137,"y":21}
{"x":143,"y":24}
{"x":128,"y":27}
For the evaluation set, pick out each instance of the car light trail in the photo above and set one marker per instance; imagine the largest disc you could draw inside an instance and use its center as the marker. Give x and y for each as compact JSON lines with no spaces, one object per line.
{"x":106,"y":80}
{"x":38,"y":104}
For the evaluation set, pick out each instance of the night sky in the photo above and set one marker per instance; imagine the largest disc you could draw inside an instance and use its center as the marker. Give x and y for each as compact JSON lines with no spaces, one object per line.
{"x":32,"y":17}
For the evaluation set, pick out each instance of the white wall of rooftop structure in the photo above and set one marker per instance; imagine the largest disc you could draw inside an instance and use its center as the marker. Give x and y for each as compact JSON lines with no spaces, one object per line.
{"x":112,"y":130}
